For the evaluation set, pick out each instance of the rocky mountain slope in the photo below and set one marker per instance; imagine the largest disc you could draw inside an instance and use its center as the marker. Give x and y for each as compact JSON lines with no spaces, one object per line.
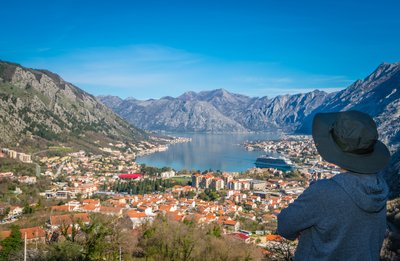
{"x":378,"y":95}
{"x":180,"y":114}
{"x":39,"y":107}
{"x":219,"y":110}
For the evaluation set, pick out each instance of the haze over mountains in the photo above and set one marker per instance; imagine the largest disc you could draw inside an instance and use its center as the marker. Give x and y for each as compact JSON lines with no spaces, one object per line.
{"x":39,"y":103}
{"x":222,"y":111}
{"x":39,"y":107}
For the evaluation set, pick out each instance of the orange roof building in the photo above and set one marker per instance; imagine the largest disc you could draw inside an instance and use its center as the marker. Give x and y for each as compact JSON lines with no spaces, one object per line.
{"x":58,"y":220}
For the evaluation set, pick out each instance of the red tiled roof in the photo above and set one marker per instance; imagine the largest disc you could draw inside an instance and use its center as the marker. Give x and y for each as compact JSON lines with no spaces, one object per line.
{"x":5,"y":234}
{"x":61,"y":208}
{"x":130,"y":176}
{"x":230,"y":222}
{"x":89,"y":207}
{"x":136,"y":214}
{"x":240,"y":236}
{"x":31,"y":233}
{"x":113,"y":210}
{"x":90,"y":201}
{"x":273,"y":238}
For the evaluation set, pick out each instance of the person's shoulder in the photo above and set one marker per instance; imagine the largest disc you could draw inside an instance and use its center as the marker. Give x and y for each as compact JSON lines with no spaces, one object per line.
{"x":323,"y":185}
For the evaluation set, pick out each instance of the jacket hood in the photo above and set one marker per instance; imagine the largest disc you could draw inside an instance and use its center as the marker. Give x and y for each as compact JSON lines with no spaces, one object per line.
{"x":369,"y":192}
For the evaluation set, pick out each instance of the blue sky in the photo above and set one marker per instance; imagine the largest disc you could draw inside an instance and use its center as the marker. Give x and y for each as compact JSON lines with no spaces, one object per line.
{"x":150,"y":49}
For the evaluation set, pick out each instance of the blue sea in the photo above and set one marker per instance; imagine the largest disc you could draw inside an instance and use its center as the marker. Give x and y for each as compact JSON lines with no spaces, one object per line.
{"x":209,"y":152}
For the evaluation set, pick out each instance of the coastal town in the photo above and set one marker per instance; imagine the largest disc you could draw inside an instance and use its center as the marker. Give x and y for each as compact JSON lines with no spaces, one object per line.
{"x":77,"y":185}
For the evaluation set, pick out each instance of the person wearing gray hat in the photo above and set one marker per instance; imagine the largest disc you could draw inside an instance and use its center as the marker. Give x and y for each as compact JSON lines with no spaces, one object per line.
{"x":342,"y":218}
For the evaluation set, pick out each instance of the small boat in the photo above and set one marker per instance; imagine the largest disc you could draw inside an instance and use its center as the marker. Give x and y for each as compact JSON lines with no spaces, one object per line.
{"x":280,"y":163}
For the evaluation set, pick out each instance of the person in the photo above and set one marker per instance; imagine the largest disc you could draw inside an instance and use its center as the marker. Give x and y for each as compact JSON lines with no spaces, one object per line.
{"x":342,"y":218}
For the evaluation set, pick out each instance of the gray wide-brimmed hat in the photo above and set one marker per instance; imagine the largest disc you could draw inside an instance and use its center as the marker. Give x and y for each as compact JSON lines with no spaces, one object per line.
{"x":350,"y":140}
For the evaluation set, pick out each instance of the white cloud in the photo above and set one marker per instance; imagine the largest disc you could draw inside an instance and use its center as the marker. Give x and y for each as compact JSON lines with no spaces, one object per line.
{"x":153,"y":71}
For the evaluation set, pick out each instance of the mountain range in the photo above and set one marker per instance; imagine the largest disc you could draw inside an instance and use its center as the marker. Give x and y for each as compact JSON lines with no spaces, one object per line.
{"x":38,"y":108}
{"x":222,"y":111}
{"x":217,"y":111}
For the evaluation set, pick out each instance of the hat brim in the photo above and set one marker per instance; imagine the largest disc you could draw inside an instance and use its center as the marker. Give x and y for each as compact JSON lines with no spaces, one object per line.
{"x":361,"y":163}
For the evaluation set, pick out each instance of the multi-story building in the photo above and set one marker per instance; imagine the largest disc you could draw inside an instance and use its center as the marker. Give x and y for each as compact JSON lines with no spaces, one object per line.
{"x":245,"y":185}
{"x":257,"y":184}
{"x":234,"y":185}
{"x":217,"y":184}
{"x":24,"y":157}
{"x":196,"y":179}
{"x":226,"y":177}
{"x":167,"y":174}
{"x":206,"y":181}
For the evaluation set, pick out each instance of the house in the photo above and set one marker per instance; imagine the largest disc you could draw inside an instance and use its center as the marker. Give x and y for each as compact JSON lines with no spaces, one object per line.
{"x":137,"y":217}
{"x":255,"y":198}
{"x":273,"y":240}
{"x":210,"y":217}
{"x":198,"y":218}
{"x":250,"y":205}
{"x":69,"y":219}
{"x":240,"y":236}
{"x":166,"y":208}
{"x":90,"y":208}
{"x":263,"y":207}
{"x":118,"y":201}
{"x":33,"y":234}
{"x":64,"y":194}
{"x":15,"y":211}
{"x":232,"y":225}
{"x":271,"y":237}
{"x":112,"y":211}
{"x":86,"y":190}
{"x":146,"y":209}
{"x":175,"y":215}
{"x":269,"y":217}
{"x":27,"y":179}
{"x":95,"y":202}
{"x":7,"y":175}
{"x":167,"y":174}
{"x":63,"y":208}
{"x":74,"y":205}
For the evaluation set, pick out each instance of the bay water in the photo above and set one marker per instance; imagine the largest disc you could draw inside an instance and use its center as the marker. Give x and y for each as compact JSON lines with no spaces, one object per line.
{"x":208,"y":151}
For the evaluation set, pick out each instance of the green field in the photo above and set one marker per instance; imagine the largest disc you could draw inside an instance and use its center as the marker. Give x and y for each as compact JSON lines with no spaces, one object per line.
{"x":181,"y":180}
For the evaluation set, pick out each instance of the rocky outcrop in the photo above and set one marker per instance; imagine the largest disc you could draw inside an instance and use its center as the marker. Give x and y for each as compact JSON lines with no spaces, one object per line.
{"x":39,"y":103}
{"x":378,"y":95}
{"x":175,"y":115}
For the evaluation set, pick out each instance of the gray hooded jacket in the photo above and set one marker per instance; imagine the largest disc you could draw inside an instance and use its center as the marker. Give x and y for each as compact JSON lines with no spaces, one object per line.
{"x":343,"y":218}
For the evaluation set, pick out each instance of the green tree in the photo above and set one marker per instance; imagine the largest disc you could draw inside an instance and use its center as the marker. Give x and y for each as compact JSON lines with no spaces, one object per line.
{"x":27,"y":209}
{"x":63,"y":251}
{"x":95,"y":242}
{"x":12,"y":244}
{"x":215,"y":230}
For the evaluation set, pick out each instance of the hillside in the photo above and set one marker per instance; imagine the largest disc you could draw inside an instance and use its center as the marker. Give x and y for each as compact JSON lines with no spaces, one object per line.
{"x":38,"y":108}
{"x":378,"y":95}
